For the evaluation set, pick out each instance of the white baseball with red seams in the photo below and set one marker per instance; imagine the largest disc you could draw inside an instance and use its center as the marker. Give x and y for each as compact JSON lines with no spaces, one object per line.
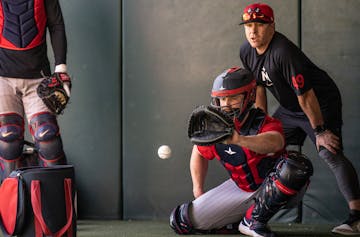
{"x":164,"y":152}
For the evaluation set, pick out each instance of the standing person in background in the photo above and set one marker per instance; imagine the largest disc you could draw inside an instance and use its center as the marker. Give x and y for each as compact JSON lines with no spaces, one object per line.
{"x":310,"y":102}
{"x":23,"y":66}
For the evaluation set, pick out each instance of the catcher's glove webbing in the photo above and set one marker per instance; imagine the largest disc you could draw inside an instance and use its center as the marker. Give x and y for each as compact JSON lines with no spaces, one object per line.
{"x":51,"y":91}
{"x":209,"y":125}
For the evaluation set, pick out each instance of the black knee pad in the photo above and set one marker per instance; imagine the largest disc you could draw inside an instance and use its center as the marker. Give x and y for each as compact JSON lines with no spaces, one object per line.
{"x":48,"y":143}
{"x":294,"y":171}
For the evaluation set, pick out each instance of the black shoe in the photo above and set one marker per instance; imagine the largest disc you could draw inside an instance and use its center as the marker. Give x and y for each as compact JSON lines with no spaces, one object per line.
{"x":255,"y":228}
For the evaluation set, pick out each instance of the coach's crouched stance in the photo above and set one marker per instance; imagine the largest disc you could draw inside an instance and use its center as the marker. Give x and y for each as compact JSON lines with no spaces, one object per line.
{"x":254,"y":155}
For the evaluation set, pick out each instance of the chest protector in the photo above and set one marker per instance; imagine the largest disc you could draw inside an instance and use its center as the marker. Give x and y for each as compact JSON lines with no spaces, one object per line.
{"x":22,"y":24}
{"x":246,"y":170}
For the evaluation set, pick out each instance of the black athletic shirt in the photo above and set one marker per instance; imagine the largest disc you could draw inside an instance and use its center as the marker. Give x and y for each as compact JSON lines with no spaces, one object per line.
{"x":287,"y":72}
{"x":33,"y":62}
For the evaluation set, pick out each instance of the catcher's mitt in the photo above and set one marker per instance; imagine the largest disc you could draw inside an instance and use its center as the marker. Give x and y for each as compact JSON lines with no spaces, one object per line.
{"x":209,"y":125}
{"x":51,"y":91}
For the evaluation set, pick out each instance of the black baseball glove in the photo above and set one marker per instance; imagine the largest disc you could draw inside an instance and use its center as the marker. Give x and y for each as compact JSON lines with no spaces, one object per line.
{"x":209,"y":125}
{"x":52,"y":91}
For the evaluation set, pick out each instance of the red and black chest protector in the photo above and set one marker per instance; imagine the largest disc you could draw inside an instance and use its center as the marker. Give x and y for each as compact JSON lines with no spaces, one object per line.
{"x":247,"y":172}
{"x":22,"y":24}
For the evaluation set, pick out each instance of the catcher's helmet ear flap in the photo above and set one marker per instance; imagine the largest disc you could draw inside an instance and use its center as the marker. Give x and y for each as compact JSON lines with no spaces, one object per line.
{"x":232,"y":82}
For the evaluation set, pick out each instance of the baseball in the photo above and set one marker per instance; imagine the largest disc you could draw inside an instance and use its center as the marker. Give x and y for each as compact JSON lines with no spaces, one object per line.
{"x":164,"y":152}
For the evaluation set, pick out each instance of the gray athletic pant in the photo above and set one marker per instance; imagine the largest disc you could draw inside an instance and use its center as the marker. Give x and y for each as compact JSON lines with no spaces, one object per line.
{"x":297,"y":126}
{"x":220,"y":206}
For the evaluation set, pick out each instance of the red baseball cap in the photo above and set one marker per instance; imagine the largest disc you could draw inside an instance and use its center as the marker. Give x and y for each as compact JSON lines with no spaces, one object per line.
{"x":258,"y":12}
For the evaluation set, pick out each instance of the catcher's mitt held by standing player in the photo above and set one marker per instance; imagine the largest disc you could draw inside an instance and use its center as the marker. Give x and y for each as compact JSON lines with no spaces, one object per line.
{"x":55,"y":91}
{"x":209,"y":125}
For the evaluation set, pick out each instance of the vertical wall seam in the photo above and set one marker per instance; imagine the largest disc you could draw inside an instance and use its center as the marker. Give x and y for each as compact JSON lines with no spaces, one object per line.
{"x":121,"y":188}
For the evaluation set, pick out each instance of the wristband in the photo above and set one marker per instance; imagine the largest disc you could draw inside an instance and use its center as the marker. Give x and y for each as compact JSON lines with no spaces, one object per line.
{"x":60,"y":68}
{"x":319,"y":129}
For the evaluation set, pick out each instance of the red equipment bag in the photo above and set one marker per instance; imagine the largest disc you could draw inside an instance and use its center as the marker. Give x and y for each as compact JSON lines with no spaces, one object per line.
{"x":38,"y":202}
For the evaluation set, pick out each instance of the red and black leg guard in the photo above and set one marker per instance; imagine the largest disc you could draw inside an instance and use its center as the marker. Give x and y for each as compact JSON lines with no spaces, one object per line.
{"x":285,"y":184}
{"x":11,"y":142}
{"x":48,"y":143}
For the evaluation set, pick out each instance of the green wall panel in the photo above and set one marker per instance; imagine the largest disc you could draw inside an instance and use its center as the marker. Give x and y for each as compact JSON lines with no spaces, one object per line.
{"x":91,"y":124}
{"x":330,"y":36}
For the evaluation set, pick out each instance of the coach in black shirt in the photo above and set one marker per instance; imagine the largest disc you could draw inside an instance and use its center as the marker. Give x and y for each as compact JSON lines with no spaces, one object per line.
{"x":310,"y":102}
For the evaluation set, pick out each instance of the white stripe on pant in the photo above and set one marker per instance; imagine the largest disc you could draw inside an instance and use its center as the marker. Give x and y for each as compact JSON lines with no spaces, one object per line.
{"x":222,"y":205}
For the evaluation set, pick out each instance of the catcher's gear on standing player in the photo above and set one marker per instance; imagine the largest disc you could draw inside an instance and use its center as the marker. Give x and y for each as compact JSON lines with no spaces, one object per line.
{"x":52,"y":90}
{"x":209,"y":125}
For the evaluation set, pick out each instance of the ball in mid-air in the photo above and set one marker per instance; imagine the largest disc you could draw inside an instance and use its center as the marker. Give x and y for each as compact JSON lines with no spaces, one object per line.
{"x":164,"y":152}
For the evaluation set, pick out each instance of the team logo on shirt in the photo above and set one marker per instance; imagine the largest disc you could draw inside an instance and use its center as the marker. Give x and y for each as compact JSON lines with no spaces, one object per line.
{"x":265,"y":77}
{"x":230,"y":152}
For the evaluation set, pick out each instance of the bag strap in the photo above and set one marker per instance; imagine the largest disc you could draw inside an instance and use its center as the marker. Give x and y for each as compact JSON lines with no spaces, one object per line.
{"x":10,"y":206}
{"x":40,"y":225}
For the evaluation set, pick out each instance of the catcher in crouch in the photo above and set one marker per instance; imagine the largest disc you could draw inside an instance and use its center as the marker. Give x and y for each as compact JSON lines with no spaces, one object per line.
{"x":250,"y":146}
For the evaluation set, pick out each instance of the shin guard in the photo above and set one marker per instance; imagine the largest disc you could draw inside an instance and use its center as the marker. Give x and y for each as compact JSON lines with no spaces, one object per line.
{"x":48,"y":143}
{"x":11,"y":142}
{"x":291,"y":176}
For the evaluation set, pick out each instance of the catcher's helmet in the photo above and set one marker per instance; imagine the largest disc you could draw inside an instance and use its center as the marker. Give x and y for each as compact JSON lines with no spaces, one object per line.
{"x":231,"y":82}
